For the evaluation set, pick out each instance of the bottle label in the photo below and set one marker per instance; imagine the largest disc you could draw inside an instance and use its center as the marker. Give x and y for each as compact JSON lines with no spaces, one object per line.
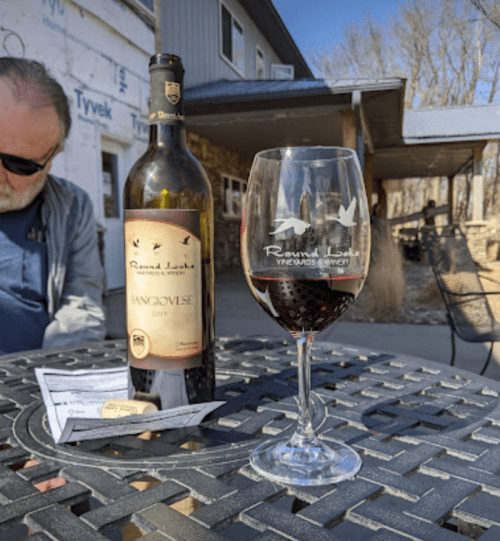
{"x":163,"y":288}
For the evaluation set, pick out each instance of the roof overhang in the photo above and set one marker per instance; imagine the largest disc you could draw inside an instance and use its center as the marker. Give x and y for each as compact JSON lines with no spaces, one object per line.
{"x":248,"y":116}
{"x":439,"y":159}
{"x":439,"y":142}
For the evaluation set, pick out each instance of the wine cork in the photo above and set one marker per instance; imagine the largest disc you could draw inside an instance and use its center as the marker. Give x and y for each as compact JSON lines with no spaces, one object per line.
{"x":115,"y":408}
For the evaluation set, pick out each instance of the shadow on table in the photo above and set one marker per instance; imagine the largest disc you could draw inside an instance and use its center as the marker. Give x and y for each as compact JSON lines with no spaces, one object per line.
{"x":413,"y":401}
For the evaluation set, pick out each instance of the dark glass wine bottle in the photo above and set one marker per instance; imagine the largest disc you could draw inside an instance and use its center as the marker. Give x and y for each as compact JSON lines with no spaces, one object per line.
{"x":169,"y":255}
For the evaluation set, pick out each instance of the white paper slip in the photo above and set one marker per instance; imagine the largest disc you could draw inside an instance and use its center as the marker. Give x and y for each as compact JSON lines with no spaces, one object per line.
{"x":74,"y":398}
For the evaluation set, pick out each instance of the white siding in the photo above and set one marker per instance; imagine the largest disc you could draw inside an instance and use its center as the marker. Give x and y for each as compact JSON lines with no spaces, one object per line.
{"x":191,"y":29}
{"x":122,"y":19}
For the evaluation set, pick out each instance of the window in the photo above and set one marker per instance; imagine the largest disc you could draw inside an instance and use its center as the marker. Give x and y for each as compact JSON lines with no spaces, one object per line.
{"x":233,"y":40}
{"x":282,"y":71}
{"x":109,"y":185}
{"x":260,"y":65}
{"x":234,"y":193}
{"x":146,"y":6}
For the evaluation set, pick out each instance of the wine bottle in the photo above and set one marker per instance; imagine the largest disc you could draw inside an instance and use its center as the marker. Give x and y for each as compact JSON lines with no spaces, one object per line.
{"x":168,"y":229}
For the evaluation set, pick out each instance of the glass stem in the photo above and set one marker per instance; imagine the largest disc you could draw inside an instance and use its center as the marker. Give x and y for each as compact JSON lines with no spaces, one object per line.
{"x":304,"y":433}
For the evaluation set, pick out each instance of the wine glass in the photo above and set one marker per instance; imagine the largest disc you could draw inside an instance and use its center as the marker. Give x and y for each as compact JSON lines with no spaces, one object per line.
{"x":305,"y":244}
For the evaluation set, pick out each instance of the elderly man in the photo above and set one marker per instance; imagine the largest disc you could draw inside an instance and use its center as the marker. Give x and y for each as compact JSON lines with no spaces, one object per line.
{"x":50,"y":272}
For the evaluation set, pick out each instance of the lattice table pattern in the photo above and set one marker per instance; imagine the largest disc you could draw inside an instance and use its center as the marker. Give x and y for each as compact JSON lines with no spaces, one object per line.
{"x":428,"y":435}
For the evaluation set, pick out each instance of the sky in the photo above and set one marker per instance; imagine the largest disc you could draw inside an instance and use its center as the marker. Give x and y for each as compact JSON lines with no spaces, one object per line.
{"x":320,"y":23}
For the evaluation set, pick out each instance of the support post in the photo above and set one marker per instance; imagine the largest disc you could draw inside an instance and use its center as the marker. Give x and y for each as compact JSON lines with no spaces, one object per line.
{"x":353,"y":131}
{"x":358,"y":126}
{"x":477,"y":185}
{"x":368,"y":174}
{"x":451,"y":185}
{"x":382,"y":199}
{"x":348,"y":129}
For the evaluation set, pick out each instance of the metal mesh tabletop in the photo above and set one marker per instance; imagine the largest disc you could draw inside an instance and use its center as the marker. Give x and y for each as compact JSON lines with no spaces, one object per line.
{"x":428,"y":436}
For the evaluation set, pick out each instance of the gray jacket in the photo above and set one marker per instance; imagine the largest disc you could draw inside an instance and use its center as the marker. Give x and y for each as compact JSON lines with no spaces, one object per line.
{"x":75,"y":280}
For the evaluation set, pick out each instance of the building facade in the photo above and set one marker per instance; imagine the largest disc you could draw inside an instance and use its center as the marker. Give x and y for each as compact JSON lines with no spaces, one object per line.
{"x":217,"y":41}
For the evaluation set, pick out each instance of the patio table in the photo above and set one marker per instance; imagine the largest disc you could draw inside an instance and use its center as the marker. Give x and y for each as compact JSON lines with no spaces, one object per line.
{"x":428,"y":435}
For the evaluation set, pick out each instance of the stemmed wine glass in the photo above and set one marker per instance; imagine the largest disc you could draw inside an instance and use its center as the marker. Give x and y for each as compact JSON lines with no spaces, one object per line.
{"x":305,"y":242}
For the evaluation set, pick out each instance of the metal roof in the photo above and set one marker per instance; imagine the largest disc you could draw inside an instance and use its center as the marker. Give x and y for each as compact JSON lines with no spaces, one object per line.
{"x":452,"y":123}
{"x":240,"y":91}
{"x":439,"y":142}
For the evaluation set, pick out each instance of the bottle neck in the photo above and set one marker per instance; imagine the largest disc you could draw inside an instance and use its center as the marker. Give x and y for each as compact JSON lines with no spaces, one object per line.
{"x":168,"y":135}
{"x":166,"y":111}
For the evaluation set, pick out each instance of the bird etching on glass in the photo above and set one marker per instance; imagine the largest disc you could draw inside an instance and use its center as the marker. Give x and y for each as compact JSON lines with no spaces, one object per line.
{"x":299,"y":226}
{"x":346,"y":217}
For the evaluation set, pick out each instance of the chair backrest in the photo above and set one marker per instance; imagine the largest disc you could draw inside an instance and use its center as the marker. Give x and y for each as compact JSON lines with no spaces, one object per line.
{"x":458,"y":281}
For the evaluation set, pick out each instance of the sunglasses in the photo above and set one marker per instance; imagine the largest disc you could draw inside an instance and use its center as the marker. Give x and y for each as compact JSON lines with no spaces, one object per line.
{"x":22,"y":166}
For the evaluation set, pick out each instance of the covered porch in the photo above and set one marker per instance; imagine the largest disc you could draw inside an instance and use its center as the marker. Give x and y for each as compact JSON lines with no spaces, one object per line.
{"x":364,"y":114}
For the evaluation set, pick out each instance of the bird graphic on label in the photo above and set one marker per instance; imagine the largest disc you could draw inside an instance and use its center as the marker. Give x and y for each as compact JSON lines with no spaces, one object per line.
{"x":299,"y":226}
{"x":346,"y":216}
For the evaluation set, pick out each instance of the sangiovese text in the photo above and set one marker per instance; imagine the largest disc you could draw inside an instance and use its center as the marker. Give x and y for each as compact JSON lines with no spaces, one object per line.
{"x":177,"y":300}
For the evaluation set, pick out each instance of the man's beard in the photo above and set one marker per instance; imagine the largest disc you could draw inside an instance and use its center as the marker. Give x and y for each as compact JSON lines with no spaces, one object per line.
{"x":12,"y":200}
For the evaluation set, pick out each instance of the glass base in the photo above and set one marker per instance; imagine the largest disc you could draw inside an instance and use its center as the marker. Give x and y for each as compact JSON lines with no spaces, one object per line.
{"x":308,"y":465}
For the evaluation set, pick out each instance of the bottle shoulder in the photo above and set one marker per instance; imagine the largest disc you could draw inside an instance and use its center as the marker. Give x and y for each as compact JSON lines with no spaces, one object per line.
{"x":174,"y":177}
{"x":158,"y":162}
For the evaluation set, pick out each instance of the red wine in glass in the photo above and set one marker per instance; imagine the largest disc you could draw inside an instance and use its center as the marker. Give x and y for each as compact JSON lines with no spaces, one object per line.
{"x":306,"y":304}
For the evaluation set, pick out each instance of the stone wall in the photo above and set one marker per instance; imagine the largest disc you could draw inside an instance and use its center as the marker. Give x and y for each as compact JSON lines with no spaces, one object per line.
{"x":476,"y":233}
{"x":217,"y":161}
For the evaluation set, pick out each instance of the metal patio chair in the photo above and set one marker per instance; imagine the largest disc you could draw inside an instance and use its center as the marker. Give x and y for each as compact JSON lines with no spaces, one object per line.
{"x":467,"y":303}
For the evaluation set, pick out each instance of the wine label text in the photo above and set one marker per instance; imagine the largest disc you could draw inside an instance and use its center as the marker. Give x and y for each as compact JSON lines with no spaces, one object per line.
{"x":330,"y":258}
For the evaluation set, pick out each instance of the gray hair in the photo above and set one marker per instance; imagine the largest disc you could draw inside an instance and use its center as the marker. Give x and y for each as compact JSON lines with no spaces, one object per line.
{"x":16,"y":71}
